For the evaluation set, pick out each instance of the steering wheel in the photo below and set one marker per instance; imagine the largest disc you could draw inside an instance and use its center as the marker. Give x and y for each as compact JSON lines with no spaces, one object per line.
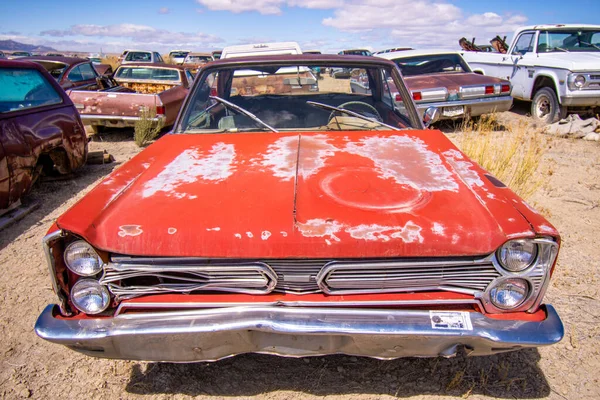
{"x":371,"y":109}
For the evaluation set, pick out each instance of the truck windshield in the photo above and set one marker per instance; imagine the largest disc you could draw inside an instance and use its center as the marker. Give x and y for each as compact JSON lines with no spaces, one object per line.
{"x":178,"y":54}
{"x":569,"y":40}
{"x":299,"y":97}
{"x":432,"y":64}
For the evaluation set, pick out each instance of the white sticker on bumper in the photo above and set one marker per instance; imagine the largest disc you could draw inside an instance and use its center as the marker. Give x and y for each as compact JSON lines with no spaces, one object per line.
{"x":451,"y":320}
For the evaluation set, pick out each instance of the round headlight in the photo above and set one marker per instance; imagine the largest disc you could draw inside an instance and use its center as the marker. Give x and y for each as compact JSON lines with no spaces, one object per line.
{"x":579,"y":81}
{"x":89,"y":296}
{"x":517,"y":255}
{"x":509,"y":293}
{"x":82,"y":259}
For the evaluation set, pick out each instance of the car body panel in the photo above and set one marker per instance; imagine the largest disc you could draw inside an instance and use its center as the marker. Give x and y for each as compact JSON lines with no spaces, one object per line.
{"x":26,"y":134}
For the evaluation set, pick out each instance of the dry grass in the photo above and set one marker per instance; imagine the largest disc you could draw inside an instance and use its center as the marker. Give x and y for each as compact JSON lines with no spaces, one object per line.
{"x":512,"y":153}
{"x":145,"y":129}
{"x":113,"y":61}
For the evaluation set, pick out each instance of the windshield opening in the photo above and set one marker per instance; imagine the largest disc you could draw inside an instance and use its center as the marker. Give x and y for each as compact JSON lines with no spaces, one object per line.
{"x":138,"y":56}
{"x":569,"y":40}
{"x":432,"y":64}
{"x":299,"y":97}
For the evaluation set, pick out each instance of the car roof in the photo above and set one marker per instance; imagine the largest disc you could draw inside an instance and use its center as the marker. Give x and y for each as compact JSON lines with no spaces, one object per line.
{"x":156,"y":65}
{"x":19,"y":63}
{"x":298,"y":58}
{"x":64,"y":60}
{"x":200,"y":54}
{"x":414,"y":53}
{"x":558,"y":26}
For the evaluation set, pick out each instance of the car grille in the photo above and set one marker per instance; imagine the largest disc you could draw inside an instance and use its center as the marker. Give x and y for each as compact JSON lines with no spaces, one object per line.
{"x":129,"y":277}
{"x":396,"y":276}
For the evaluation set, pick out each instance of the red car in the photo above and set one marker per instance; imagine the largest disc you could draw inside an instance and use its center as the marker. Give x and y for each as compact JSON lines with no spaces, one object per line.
{"x":444,"y":80}
{"x":284,"y":221}
{"x":40,"y":129}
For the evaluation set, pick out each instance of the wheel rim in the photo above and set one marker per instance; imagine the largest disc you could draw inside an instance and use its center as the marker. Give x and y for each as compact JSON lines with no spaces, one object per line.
{"x":543,"y":107}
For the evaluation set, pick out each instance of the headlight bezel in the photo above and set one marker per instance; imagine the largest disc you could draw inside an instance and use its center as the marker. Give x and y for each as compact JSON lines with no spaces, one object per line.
{"x":97,"y":257}
{"x":537,"y":275}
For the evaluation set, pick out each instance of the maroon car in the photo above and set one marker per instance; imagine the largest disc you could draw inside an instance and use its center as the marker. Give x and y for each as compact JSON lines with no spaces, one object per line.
{"x":74,"y":73}
{"x":444,"y":80}
{"x":40,"y":129}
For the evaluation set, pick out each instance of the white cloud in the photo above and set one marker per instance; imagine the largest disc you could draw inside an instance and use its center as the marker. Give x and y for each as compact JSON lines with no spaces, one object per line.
{"x":267,"y":7}
{"x":419,"y":23}
{"x":239,"y":6}
{"x":164,"y":10}
{"x":139,"y":34}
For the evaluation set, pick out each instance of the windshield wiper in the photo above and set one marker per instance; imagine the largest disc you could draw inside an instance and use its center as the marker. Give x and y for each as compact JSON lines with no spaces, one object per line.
{"x":349,"y":112}
{"x":590,"y":44}
{"x":561,"y":49}
{"x":245,"y":112}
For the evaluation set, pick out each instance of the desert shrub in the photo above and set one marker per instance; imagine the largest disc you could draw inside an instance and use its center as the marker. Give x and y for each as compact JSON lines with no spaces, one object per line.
{"x":513,"y":155}
{"x":145,"y":129}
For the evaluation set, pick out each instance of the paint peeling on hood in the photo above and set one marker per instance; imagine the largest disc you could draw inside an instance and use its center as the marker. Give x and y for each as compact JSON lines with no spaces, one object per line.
{"x":192,"y":165}
{"x":407,"y":160}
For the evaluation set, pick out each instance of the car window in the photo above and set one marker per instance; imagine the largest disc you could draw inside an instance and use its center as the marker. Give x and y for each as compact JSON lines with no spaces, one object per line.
{"x":25,"y":88}
{"x":141,"y":73}
{"x":75,"y":75}
{"x":524,"y":43}
{"x":87,"y":72}
{"x":569,"y":40}
{"x":138,"y":56}
{"x":189,"y":75}
{"x":432,"y":64}
{"x":158,"y":57}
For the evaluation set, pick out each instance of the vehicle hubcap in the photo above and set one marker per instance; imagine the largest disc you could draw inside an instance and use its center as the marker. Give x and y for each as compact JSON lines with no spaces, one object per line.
{"x":543,"y":107}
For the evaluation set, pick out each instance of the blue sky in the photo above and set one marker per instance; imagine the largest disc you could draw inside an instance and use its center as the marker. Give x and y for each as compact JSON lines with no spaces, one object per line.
{"x":326,"y":25}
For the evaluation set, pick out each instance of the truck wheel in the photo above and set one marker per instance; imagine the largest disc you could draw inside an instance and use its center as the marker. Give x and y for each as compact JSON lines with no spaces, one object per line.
{"x":545,"y":107}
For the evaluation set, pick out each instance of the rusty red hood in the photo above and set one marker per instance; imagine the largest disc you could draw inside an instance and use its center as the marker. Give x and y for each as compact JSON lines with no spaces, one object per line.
{"x":450,"y":81}
{"x":344,"y":194}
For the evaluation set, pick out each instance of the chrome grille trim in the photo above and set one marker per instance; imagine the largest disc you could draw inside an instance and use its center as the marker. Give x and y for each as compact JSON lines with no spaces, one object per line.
{"x":462,"y":276}
{"x":248,"y":278}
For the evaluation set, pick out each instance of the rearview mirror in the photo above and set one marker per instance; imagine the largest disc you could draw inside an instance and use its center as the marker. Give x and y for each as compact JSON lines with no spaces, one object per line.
{"x":430,"y":116}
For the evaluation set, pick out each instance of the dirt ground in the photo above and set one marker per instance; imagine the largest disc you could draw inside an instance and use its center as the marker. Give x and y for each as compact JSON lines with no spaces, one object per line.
{"x":570,"y":197}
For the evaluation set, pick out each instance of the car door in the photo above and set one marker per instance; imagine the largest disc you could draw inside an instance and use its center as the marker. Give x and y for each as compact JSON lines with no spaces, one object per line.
{"x":4,"y":177}
{"x":522,"y":58}
{"x":29,"y":125}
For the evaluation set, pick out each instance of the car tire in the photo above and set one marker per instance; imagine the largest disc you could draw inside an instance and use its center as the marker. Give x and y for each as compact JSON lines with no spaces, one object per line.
{"x":545,"y":107}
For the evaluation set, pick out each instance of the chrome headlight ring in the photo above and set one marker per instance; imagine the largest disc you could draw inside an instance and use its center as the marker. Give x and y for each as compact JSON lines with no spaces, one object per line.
{"x":537,"y":276}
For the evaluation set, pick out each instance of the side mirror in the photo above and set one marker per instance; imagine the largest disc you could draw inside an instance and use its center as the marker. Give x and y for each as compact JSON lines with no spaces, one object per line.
{"x":430,"y":116}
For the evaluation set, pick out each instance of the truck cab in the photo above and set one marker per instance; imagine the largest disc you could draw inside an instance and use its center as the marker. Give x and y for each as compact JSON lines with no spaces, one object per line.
{"x":555,"y":67}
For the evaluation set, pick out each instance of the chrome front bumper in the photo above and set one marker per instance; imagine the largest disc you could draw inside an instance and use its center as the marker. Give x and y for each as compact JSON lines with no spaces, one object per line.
{"x":213,"y":334}
{"x":472,"y":108}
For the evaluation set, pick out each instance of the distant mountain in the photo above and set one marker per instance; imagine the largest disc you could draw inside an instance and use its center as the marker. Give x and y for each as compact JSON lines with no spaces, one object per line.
{"x":11,"y":45}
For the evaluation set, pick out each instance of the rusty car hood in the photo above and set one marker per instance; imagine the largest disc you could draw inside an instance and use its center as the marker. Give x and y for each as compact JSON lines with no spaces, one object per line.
{"x":267,"y":195}
{"x":451,"y":81}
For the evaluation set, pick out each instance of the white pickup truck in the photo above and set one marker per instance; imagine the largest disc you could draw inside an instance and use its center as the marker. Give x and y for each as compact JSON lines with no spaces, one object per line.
{"x":556,"y":67}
